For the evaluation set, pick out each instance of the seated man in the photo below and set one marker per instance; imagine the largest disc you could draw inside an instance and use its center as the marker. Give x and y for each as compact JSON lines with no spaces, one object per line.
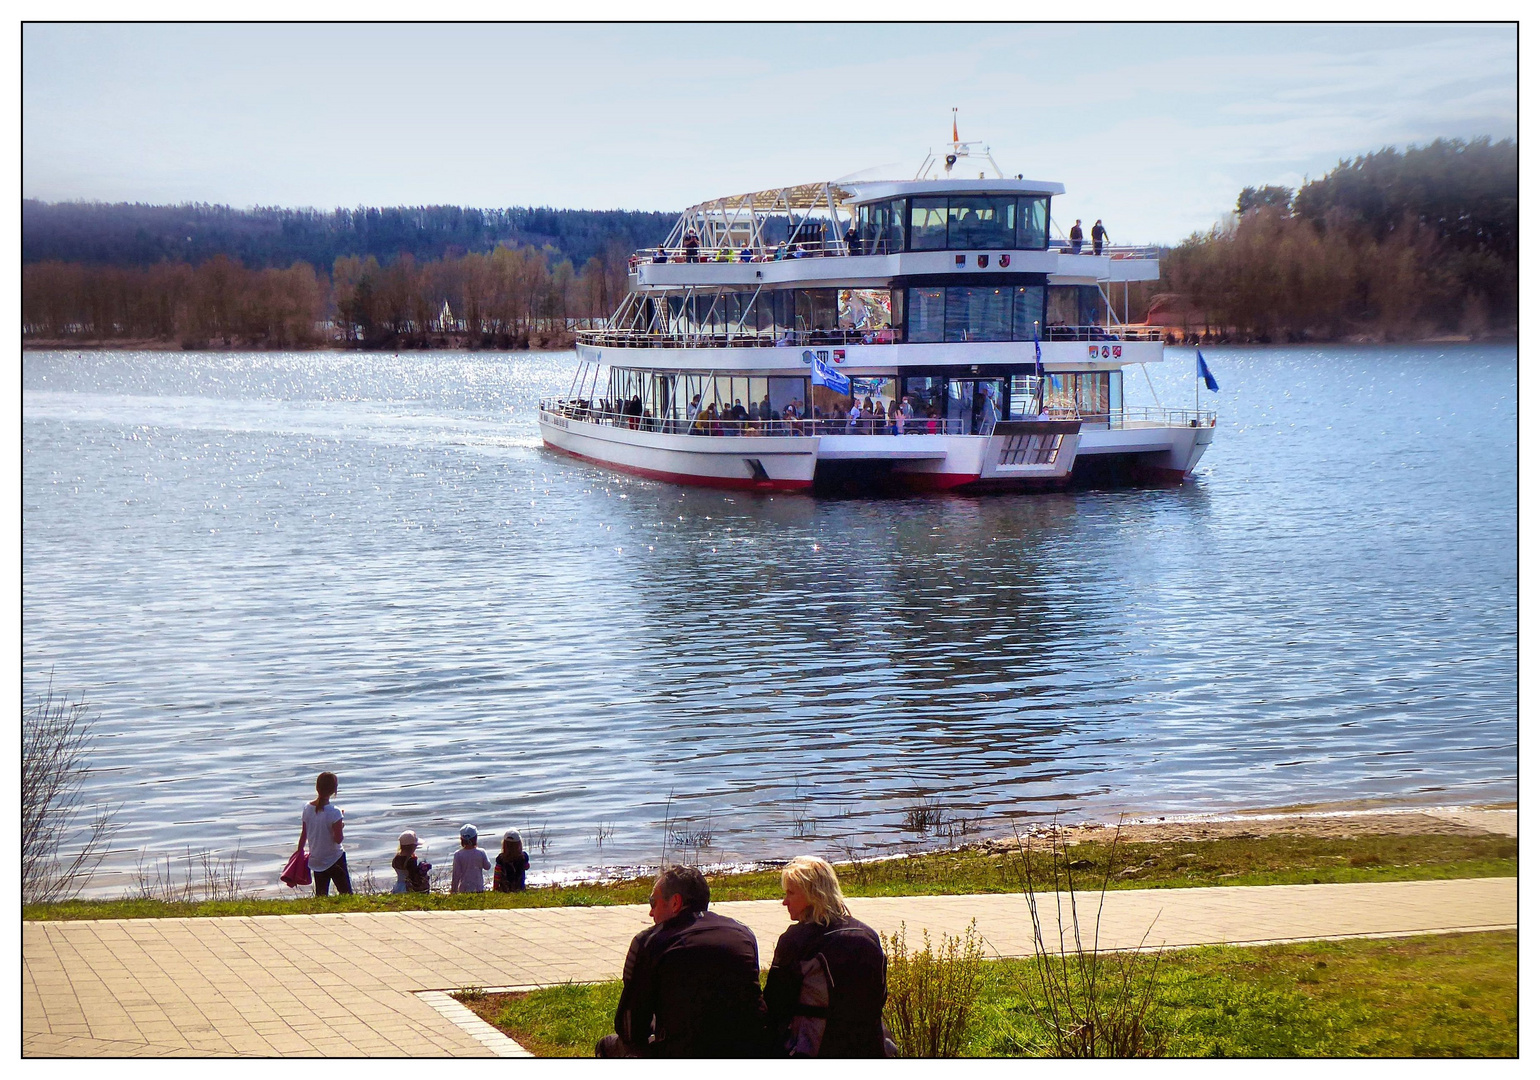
{"x":691,"y":980}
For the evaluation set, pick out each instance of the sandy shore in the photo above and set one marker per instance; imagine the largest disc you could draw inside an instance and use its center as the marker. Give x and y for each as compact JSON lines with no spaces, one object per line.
{"x":1344,"y":820}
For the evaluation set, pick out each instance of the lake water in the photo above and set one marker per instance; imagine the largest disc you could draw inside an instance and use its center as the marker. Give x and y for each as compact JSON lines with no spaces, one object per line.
{"x":257,"y":566}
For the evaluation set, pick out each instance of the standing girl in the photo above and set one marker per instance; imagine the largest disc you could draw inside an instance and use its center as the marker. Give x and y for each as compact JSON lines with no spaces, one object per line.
{"x":320,"y":828}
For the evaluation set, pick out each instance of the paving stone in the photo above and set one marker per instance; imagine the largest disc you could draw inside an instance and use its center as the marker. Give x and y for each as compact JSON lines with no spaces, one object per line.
{"x":232,"y":986}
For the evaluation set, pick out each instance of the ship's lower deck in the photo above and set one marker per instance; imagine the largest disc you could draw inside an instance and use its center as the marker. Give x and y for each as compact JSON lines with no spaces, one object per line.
{"x":1014,"y":455}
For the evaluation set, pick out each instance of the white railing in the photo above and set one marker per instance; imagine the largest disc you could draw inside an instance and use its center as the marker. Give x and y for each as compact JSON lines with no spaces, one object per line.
{"x":603,"y":413}
{"x":644,"y":339}
{"x":1151,"y":416}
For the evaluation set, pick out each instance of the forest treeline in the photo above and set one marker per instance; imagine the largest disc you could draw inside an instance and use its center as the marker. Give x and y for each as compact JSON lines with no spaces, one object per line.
{"x":1390,"y":246}
{"x":506,"y":298}
{"x":132,"y":234}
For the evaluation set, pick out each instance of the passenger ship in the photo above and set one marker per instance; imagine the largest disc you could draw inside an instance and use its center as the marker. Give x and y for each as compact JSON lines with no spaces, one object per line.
{"x":922,"y":334}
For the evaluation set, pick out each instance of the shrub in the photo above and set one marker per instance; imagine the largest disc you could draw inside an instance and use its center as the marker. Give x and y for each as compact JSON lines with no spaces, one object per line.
{"x":1090,"y":1001}
{"x":931,"y":994}
{"x":56,"y":738}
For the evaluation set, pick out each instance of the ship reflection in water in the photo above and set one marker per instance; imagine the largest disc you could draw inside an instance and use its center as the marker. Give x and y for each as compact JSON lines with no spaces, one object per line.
{"x":261,"y":565}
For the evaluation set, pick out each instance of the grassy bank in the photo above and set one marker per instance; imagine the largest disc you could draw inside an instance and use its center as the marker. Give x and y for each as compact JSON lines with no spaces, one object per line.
{"x":1284,"y":859}
{"x":1446,"y":995}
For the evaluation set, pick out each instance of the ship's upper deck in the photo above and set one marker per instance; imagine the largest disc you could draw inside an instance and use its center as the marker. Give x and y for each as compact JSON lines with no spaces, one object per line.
{"x":865,"y":233}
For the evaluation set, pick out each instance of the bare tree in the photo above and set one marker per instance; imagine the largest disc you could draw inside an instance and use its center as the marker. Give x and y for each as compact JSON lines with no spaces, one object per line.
{"x":58,"y":850}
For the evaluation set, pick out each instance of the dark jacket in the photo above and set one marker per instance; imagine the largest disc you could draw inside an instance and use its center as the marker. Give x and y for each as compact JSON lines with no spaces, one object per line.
{"x":416,"y":872}
{"x":508,"y":874}
{"x":692,"y":987}
{"x":858,"y":986}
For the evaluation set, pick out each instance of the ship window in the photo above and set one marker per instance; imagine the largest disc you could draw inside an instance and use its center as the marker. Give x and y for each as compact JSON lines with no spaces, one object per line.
{"x":1063,"y":305}
{"x":927,"y":224}
{"x":981,"y":221}
{"x":978,"y":313}
{"x":927,"y":395}
{"x":1028,"y":314}
{"x":926,"y":307}
{"x":864,"y":309}
{"x":1032,"y":222}
{"x":816,"y":309}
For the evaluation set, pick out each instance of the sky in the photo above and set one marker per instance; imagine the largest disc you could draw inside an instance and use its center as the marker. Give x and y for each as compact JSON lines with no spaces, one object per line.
{"x":1152,"y":128}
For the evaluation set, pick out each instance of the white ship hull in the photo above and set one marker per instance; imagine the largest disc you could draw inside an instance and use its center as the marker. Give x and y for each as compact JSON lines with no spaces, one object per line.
{"x":919,"y":462}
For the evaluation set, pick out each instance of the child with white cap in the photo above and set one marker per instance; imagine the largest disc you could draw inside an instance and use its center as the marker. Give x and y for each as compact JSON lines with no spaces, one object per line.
{"x":411,"y":874}
{"x":470,"y":862}
{"x":512,"y":861}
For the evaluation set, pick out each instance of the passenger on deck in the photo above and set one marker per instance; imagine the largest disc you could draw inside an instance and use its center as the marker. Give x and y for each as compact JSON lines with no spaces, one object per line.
{"x":1098,"y":237}
{"x":1076,"y":238}
{"x":852,"y":240}
{"x":932,"y":421}
{"x":724,"y":254}
{"x":747,"y":254}
{"x":853,"y":424}
{"x":691,"y":247}
{"x":660,"y":256}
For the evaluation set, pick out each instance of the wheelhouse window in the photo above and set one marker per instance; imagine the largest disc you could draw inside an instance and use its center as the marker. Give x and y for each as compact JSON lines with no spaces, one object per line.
{"x":880,"y":227}
{"x":980,"y":221}
{"x":927,"y":224}
{"x":1032,"y":222}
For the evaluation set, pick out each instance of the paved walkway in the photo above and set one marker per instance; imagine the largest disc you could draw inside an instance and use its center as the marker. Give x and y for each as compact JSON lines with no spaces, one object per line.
{"x":359,"y":984}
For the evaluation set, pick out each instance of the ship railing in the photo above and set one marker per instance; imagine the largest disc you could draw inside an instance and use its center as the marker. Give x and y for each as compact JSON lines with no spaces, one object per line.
{"x":1152,"y":416}
{"x":603,"y":413}
{"x":1114,"y":251}
{"x":752,"y":253}
{"x":813,"y":249}
{"x":1102,"y":333}
{"x":644,"y":339}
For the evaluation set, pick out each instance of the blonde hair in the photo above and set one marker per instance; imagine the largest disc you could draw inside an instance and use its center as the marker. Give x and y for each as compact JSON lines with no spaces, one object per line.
{"x":817,"y":881}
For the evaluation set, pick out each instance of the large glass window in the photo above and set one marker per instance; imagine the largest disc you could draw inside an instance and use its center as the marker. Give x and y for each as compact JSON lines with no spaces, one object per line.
{"x":981,"y":221}
{"x":927,"y":224}
{"x":816,"y":309}
{"x":926,"y":314}
{"x":1027,"y":318}
{"x":1032,"y":222}
{"x":928,"y":396}
{"x":1063,"y":305}
{"x":978,"y":313}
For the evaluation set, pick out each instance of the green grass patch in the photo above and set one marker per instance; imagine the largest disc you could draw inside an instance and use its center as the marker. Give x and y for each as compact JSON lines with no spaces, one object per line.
{"x":1263,"y":860}
{"x":1452,"y":995}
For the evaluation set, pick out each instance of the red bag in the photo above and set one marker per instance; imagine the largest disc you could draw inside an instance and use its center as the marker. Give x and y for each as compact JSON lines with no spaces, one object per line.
{"x":296,"y":871}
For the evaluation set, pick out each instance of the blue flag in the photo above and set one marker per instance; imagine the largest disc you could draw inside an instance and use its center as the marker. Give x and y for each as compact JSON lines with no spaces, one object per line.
{"x":823,"y":375}
{"x":1206,"y":375}
{"x":1037,"y":352}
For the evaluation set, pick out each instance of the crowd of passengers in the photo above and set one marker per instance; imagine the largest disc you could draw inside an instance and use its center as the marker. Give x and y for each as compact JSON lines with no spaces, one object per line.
{"x":690,"y":251}
{"x":868,"y":416}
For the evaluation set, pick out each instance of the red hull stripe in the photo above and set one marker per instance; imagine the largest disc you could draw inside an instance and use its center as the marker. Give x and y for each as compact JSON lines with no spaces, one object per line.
{"x":728,"y":482}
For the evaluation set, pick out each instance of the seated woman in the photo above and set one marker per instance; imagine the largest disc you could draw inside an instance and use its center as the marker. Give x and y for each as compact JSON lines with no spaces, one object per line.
{"x":829,"y":979}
